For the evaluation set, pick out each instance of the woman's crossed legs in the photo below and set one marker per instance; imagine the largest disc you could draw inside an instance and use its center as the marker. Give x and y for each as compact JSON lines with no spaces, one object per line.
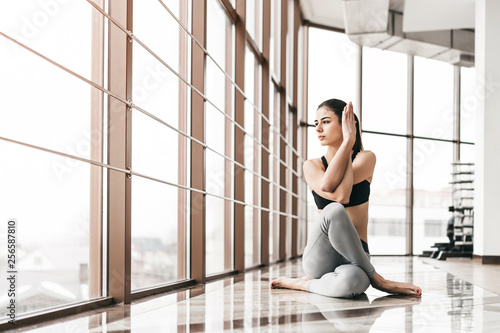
{"x":335,"y":262}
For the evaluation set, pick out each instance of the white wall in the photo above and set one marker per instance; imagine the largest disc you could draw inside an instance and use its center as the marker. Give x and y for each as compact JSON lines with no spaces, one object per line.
{"x":487,"y":184}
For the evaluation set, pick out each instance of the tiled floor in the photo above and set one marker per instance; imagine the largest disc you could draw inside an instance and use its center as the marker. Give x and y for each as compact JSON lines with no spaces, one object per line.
{"x":464,"y":300}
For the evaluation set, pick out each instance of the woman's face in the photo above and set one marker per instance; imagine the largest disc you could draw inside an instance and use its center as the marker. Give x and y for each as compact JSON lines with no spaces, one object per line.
{"x":328,"y":127}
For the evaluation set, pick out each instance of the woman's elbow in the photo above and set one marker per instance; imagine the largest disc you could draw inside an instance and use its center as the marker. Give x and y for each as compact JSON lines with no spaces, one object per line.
{"x":327,"y":188}
{"x":343,"y":200}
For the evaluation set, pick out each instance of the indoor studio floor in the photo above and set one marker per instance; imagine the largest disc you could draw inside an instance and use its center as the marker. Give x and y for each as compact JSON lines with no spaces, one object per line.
{"x":459,"y":295}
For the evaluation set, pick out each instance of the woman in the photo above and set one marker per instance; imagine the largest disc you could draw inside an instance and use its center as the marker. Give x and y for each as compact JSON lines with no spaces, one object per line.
{"x":336,"y":259}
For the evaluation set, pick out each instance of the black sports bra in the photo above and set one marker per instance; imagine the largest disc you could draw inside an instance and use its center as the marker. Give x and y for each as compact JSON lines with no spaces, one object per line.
{"x":360,"y":193}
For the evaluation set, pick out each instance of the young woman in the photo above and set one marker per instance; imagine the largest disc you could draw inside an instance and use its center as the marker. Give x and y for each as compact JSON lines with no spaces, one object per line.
{"x":336,"y":259}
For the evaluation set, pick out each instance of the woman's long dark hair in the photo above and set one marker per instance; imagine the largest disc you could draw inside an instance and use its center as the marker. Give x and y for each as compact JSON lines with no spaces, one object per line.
{"x":337,"y":106}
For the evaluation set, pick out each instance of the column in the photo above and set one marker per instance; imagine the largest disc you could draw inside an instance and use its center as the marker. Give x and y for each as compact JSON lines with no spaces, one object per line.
{"x":487,"y":177}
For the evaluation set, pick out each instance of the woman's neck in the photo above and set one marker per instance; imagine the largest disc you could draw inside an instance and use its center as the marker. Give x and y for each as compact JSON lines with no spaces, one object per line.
{"x":331,"y":151}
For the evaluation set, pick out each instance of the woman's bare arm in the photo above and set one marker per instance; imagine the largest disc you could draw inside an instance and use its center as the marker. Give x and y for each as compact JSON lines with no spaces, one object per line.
{"x":360,"y":169}
{"x":337,"y":166}
{"x":313,"y":173}
{"x":363,"y":166}
{"x":343,"y":191}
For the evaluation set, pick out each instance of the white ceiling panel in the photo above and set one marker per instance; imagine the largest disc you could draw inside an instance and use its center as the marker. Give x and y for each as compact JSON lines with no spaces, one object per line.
{"x":324,"y":12}
{"x":430,"y":15}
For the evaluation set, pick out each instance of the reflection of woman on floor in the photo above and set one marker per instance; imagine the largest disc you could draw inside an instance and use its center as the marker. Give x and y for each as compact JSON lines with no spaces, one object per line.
{"x":358,"y":316}
{"x":336,"y":259}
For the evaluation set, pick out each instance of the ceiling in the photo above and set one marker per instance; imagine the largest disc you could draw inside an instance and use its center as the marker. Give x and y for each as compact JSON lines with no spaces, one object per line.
{"x":427,"y":28}
{"x":425,"y":15}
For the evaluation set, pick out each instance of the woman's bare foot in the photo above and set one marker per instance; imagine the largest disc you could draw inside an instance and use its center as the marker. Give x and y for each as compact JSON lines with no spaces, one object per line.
{"x":393,"y":287}
{"x":290,"y":283}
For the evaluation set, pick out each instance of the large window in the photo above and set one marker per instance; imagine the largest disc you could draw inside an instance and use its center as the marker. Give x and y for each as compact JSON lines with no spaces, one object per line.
{"x":219,"y":89}
{"x":274,"y":169}
{"x":398,"y":132}
{"x":433,"y":116}
{"x":158,"y":209}
{"x":252,"y":143}
{"x":135,"y":146}
{"x":51,"y":129}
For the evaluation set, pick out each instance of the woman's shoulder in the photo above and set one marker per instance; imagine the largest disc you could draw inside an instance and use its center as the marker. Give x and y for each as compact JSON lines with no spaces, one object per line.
{"x":366,"y":155}
{"x":313,"y":163}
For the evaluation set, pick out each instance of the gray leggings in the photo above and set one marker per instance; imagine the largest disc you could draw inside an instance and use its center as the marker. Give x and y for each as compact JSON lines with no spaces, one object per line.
{"x":334,"y":257}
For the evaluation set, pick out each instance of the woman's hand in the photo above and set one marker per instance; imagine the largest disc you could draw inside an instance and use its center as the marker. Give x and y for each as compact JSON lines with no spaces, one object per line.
{"x":348,"y":126}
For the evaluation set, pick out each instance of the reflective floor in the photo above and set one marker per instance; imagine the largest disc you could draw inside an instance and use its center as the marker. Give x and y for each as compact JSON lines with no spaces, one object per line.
{"x":463,"y":301}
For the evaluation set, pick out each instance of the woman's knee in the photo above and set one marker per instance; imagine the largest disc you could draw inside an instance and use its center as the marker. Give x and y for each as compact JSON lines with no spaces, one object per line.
{"x":334,"y":213}
{"x":333,"y":208}
{"x":313,"y":269}
{"x":355,"y":278}
{"x":347,"y":281}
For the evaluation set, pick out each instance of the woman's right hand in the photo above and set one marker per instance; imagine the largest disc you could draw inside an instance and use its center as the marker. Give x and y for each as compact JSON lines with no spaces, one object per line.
{"x":349,"y":125}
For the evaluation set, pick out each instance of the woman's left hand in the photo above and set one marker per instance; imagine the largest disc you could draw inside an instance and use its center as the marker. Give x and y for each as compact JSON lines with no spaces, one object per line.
{"x":349,"y":125}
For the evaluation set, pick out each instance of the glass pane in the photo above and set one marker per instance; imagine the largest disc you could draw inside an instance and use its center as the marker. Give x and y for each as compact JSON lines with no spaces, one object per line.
{"x":217,"y":25}
{"x":250,"y":18}
{"x":254,"y":20}
{"x":60,"y":30}
{"x":249,"y":219}
{"x":249,"y":142}
{"x":328,"y":62}
{"x":252,"y":216}
{"x":218,"y":128}
{"x":215,"y":81}
{"x":155,"y":148}
{"x":215,"y":129}
{"x":214,"y":234}
{"x":332,"y":69}
{"x":275,"y":226}
{"x":275,"y":46}
{"x":387,"y":224}
{"x":433,"y":99}
{"x":158,"y":30}
{"x":288,"y":196}
{"x":289,"y":55}
{"x":155,"y":211}
{"x":154,"y":87}
{"x":43,"y":105}
{"x":469,"y":99}
{"x":219,"y":40}
{"x":52,"y":229}
{"x":215,"y":219}
{"x":432,"y":192}
{"x":252,"y":158}
{"x":314,"y":148}
{"x":467,"y":153}
{"x":250,"y":69}
{"x":159,"y":211}
{"x":384,"y":91}
{"x":274,"y":111}
{"x":302,"y":213}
